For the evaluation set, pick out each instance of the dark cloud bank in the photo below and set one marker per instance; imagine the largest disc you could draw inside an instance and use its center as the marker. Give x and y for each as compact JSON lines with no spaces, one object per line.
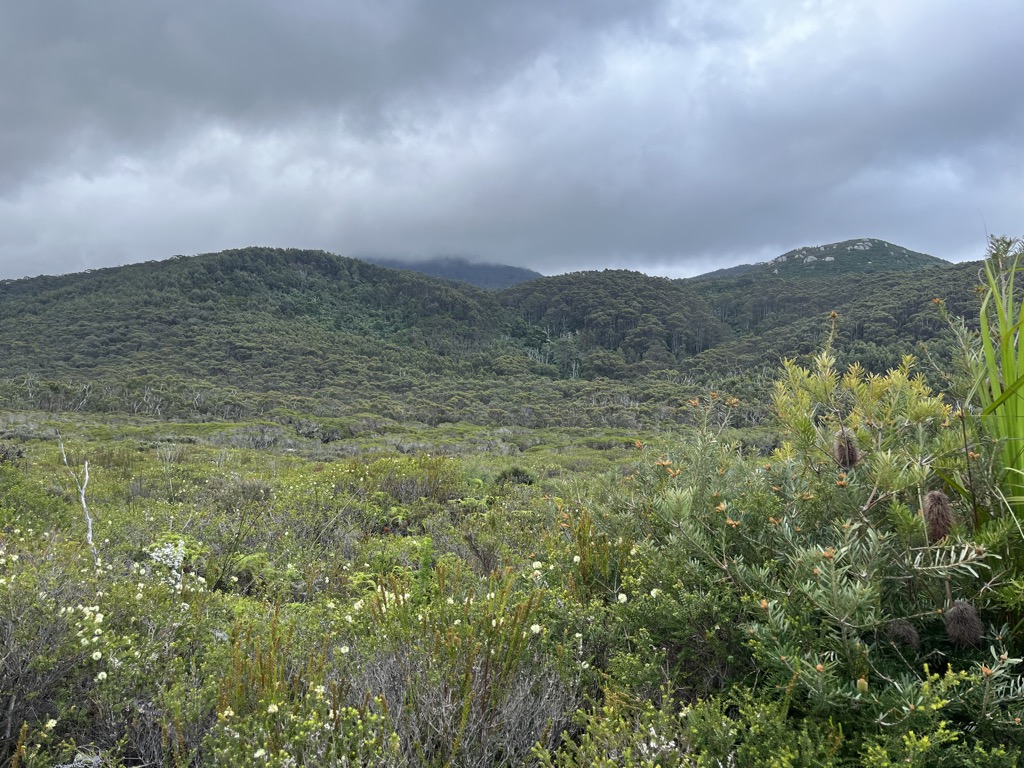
{"x":673,"y":137}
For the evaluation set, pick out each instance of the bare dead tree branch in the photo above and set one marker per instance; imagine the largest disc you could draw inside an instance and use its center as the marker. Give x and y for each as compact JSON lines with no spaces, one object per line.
{"x":82,"y":485}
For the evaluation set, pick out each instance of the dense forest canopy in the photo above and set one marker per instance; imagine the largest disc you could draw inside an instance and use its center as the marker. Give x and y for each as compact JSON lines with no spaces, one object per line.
{"x":259,"y":330}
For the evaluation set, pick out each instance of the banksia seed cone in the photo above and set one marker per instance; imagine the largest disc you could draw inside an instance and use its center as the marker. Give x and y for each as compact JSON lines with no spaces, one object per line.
{"x":845,"y":450}
{"x":963,"y":625}
{"x":938,"y":516}
{"x":902,"y":632}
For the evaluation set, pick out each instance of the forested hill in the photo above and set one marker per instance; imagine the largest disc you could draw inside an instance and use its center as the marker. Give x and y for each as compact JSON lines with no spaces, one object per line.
{"x":257,"y":317}
{"x":261,"y":330}
{"x":880,"y":316}
{"x":863,"y":256}
{"x":622,"y":311}
{"x":494,"y":276}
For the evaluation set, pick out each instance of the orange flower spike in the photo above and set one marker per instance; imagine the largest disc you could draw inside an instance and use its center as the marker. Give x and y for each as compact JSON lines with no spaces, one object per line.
{"x":720,"y":507}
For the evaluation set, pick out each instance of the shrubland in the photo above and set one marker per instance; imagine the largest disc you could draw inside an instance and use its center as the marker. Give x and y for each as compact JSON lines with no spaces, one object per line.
{"x":840,"y":586}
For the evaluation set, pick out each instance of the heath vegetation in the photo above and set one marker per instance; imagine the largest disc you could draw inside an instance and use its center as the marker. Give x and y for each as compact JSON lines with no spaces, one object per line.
{"x":816,"y":564}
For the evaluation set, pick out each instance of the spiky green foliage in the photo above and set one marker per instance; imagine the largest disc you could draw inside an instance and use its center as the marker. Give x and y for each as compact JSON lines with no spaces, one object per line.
{"x":1002,"y":344}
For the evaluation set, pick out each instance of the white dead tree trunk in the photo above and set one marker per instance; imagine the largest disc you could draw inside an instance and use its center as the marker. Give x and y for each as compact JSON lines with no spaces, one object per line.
{"x":82,"y":485}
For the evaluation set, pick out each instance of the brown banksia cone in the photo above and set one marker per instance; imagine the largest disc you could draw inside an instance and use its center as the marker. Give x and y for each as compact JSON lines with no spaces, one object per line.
{"x":902,"y":632}
{"x":963,"y":625}
{"x":845,"y":450}
{"x":938,"y":516}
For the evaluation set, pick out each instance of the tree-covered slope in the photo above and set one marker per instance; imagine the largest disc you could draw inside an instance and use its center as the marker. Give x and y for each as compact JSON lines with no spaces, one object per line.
{"x":264,"y":330}
{"x":491,"y":276}
{"x":282,"y":333}
{"x":864,"y":256}
{"x":880,"y":317}
{"x":619,"y":310}
{"x":255,"y":317}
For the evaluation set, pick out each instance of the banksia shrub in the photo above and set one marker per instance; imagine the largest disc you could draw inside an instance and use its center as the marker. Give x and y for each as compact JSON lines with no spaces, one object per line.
{"x":845,"y":450}
{"x":902,"y":632}
{"x":963,"y":625}
{"x":938,"y":516}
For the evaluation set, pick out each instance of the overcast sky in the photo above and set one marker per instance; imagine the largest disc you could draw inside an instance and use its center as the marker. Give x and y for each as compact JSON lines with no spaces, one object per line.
{"x":671,"y":137}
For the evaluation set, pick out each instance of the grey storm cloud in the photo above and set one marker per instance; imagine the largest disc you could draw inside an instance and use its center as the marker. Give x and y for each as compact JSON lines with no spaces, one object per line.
{"x":668,"y":136}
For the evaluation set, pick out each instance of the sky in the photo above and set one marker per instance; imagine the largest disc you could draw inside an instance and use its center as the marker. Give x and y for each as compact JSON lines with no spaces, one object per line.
{"x":669,"y":136}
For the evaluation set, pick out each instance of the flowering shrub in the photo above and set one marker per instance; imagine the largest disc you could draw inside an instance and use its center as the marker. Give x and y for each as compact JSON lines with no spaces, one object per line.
{"x":832,"y":600}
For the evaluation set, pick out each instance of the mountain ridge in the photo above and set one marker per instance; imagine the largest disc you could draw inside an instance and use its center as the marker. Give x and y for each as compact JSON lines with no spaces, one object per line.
{"x":866,"y":255}
{"x":483,"y":275}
